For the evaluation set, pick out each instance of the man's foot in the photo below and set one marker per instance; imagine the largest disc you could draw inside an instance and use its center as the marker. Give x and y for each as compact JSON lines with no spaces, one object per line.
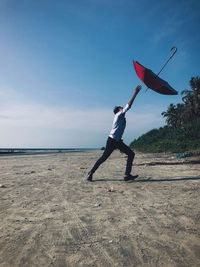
{"x":130,"y":177}
{"x":89,"y":178}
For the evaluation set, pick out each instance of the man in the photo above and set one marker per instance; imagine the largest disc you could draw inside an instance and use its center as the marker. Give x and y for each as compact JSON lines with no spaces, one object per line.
{"x":115,"y":141}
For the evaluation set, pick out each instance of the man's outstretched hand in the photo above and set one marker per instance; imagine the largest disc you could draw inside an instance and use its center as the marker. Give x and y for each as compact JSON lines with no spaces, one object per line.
{"x":138,"y":88}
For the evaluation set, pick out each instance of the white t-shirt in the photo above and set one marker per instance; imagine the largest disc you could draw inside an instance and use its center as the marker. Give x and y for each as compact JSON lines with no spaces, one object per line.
{"x":119,"y":124}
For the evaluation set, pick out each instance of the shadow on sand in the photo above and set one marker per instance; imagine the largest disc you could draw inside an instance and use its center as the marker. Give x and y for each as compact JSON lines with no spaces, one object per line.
{"x":149,"y":180}
{"x":169,"y":163}
{"x":167,"y":180}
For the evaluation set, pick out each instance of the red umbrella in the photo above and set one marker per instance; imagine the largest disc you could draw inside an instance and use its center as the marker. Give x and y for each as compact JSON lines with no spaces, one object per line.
{"x":152,"y":81}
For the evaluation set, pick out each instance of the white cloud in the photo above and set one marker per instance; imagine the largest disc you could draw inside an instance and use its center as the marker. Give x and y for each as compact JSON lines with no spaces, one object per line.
{"x":30,"y":124}
{"x":30,"y":115}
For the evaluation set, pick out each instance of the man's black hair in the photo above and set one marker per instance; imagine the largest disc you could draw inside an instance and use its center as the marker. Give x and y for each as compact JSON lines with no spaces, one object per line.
{"x":116,"y":109}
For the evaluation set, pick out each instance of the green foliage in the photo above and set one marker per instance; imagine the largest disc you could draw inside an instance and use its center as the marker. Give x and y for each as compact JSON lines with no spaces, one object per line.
{"x":182,"y":132}
{"x":167,"y":139}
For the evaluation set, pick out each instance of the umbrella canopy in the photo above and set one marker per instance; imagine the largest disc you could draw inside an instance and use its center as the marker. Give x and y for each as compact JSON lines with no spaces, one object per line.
{"x":152,"y":81}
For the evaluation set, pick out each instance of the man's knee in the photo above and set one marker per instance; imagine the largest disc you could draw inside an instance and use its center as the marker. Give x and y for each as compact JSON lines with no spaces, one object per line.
{"x":131,"y":154}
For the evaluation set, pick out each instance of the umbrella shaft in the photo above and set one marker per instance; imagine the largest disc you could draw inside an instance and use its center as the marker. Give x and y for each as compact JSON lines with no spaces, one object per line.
{"x":164,"y":66}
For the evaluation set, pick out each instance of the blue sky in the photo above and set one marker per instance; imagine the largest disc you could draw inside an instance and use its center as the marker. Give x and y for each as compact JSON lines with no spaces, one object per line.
{"x":66,"y":64}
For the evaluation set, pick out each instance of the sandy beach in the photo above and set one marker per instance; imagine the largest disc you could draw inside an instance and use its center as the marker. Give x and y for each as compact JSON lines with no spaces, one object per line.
{"x":51,"y":216}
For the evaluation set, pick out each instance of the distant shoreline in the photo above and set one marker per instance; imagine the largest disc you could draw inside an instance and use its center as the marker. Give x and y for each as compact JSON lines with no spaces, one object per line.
{"x":33,"y":151}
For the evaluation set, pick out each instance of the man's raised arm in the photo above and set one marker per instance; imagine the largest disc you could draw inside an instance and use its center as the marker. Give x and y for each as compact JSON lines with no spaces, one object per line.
{"x":137,"y":89}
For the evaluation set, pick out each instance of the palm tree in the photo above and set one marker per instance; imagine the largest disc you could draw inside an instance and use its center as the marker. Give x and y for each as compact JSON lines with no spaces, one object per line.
{"x":189,"y":110}
{"x":180,"y":114}
{"x":170,"y":115}
{"x":191,"y":99}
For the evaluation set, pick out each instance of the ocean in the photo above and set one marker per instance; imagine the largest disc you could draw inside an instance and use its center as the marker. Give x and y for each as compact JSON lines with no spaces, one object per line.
{"x":22,"y":151}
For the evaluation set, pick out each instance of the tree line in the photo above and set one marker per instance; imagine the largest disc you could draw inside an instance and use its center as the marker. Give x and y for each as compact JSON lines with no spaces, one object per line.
{"x":182,"y":130}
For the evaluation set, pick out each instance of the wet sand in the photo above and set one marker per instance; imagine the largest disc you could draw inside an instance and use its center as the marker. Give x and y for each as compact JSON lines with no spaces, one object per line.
{"x":51,"y":216}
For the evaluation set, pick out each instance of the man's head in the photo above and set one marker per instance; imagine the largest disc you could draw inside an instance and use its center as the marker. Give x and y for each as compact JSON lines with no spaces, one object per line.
{"x":117,"y":109}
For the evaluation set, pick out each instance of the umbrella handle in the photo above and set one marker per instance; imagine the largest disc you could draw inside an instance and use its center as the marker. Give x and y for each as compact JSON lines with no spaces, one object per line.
{"x":173,"y":48}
